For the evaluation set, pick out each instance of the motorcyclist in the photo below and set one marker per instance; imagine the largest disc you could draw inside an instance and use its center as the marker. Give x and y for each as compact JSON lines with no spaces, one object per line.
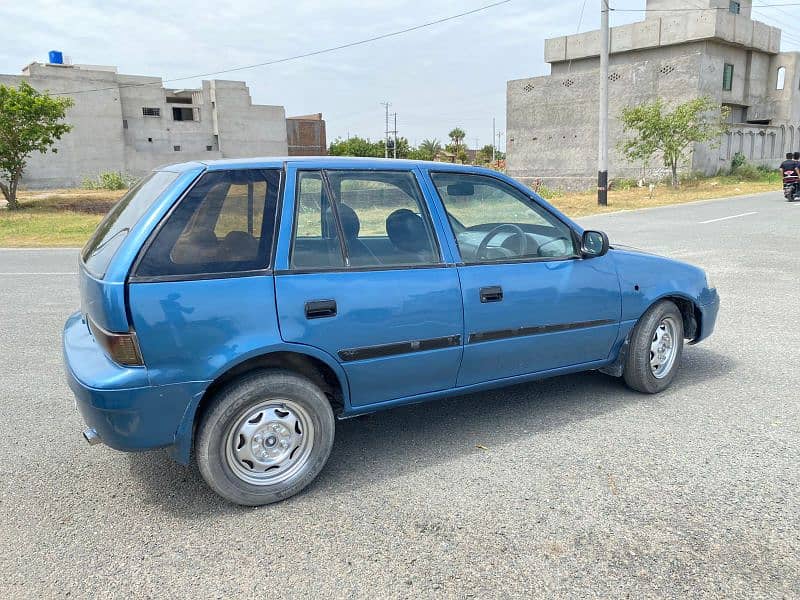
{"x":790,"y":171}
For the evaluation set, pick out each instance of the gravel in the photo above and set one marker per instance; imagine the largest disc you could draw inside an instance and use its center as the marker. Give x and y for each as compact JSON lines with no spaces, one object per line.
{"x":571,"y":487}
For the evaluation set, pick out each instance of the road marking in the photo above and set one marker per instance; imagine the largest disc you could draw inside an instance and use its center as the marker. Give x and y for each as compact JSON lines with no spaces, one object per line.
{"x":726,"y":218}
{"x":60,"y":273}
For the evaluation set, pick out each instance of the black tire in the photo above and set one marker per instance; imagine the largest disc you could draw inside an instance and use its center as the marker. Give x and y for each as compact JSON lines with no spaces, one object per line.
{"x":638,"y":373}
{"x":236,"y":401}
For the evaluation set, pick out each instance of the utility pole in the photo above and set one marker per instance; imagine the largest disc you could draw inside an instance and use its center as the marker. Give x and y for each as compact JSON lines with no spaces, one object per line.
{"x":386,"y":132}
{"x":475,"y":160}
{"x":394,"y":147}
{"x":493,"y":137}
{"x":602,"y":159}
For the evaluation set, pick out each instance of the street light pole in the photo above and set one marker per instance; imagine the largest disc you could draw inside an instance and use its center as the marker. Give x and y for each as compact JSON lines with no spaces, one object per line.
{"x":602,"y":162}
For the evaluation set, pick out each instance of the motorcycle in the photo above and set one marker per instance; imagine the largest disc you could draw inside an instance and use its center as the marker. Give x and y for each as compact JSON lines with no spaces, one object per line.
{"x":791,"y":191}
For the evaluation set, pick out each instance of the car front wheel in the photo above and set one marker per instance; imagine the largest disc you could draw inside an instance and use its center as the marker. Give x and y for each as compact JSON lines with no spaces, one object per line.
{"x":265,"y":438}
{"x":655,"y":349}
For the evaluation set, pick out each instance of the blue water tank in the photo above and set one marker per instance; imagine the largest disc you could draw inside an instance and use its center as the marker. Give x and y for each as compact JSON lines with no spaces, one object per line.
{"x":56,"y":57}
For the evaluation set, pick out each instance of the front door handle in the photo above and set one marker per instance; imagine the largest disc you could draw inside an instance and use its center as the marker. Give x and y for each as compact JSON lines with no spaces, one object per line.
{"x":320,"y":309}
{"x":492,"y":293}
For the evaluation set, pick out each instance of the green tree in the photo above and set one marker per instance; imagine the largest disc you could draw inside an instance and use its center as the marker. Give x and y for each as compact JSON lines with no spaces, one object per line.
{"x":485,"y":154}
{"x":655,"y":130}
{"x":429,"y":148}
{"x":356,"y":146}
{"x":456,"y":135}
{"x":30,"y":121}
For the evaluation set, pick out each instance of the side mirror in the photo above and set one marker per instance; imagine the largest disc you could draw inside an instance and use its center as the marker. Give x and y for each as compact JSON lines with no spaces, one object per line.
{"x":594,"y":244}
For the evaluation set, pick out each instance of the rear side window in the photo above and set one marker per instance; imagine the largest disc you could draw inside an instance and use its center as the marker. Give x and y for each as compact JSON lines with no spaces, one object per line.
{"x":225,"y":224}
{"x":108,"y":236}
{"x":380,"y":215}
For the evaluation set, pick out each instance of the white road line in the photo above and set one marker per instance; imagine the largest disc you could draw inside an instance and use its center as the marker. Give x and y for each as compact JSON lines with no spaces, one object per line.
{"x":60,"y":273}
{"x":726,"y":218}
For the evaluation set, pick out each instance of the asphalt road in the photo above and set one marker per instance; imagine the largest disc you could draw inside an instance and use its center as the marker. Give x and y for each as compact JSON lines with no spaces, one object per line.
{"x":572,"y":487}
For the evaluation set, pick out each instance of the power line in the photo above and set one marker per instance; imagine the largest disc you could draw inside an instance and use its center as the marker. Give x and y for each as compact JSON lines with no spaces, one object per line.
{"x":305,"y":54}
{"x":578,"y":30}
{"x":725,"y":8}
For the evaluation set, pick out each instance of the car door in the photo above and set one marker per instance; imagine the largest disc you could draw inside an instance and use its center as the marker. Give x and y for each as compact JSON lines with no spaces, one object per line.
{"x":363,"y":278}
{"x":202,"y":290}
{"x":531,"y":303}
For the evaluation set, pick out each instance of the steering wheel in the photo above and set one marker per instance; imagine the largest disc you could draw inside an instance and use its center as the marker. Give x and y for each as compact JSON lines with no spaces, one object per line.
{"x":484,"y":245}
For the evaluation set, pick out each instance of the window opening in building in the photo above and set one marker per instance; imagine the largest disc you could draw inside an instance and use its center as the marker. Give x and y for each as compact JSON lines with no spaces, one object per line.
{"x":735,"y":7}
{"x":727,"y":78}
{"x":176,"y":148}
{"x":781,"y":78}
{"x":180,"y":113}
{"x":178,"y":100}
{"x":150,"y":111}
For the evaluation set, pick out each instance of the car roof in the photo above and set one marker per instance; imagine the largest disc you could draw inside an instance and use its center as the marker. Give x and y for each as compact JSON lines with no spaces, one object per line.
{"x":317,"y":161}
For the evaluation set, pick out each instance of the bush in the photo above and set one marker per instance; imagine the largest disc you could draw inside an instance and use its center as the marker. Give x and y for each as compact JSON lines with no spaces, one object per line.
{"x":693,"y":178}
{"x":109,"y":180}
{"x":747,"y":172}
{"x":738,"y":161}
{"x":623,"y":183}
{"x":742,"y":170}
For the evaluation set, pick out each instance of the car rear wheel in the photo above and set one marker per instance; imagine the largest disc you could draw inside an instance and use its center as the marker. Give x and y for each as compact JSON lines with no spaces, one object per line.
{"x":655,"y":349}
{"x":265,"y":438}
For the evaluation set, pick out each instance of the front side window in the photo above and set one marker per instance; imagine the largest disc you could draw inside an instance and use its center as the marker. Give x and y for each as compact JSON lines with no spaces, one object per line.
{"x":224,"y":224}
{"x":494,"y":222}
{"x":379,"y":216}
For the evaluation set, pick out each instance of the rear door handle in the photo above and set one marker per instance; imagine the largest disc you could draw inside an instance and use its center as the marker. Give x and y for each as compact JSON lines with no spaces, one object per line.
{"x":492,"y":293}
{"x":320,"y":309}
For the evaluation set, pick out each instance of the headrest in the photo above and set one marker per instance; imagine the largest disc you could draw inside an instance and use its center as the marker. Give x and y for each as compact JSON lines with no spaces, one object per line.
{"x":350,"y":223}
{"x":407,"y":231}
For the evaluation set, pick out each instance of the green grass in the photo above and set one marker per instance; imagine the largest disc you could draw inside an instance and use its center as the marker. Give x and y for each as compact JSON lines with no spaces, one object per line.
{"x":68,"y":217}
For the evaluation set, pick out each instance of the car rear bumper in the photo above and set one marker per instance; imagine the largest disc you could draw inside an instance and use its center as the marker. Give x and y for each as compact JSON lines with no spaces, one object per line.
{"x":117,"y":402}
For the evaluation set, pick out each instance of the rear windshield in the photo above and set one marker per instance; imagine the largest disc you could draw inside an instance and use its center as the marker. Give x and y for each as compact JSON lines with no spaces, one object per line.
{"x":108,"y":237}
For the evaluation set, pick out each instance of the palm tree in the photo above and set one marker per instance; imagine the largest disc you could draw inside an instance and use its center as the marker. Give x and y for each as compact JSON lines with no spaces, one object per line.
{"x":430,"y":148}
{"x":456,"y":136}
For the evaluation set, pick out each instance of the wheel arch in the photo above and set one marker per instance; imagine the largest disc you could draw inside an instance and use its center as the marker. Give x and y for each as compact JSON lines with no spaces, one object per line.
{"x":306,"y":361}
{"x":692,"y":316}
{"x":690,"y":311}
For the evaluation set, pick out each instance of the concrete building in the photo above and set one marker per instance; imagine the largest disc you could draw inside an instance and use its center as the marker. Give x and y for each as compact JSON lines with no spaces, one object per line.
{"x":131,"y":124}
{"x":710,"y":48}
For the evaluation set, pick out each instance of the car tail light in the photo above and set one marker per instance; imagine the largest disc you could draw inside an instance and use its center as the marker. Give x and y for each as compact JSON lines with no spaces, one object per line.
{"x":122,"y":348}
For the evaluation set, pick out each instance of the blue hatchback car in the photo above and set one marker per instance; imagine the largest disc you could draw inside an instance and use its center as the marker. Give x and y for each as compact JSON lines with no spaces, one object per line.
{"x":235,"y":309}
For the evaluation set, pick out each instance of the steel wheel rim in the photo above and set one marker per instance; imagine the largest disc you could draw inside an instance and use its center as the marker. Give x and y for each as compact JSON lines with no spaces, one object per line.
{"x":270,"y":443}
{"x":664,"y":347}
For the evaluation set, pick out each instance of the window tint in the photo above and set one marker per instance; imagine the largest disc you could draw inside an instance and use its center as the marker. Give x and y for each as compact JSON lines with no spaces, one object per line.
{"x":493,"y":221}
{"x":113,"y":229}
{"x":316,"y":239}
{"x":225,"y":224}
{"x":380,"y":214}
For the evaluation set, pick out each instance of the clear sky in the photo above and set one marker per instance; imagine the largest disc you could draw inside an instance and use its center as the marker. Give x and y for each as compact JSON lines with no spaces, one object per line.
{"x":447,"y":75}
